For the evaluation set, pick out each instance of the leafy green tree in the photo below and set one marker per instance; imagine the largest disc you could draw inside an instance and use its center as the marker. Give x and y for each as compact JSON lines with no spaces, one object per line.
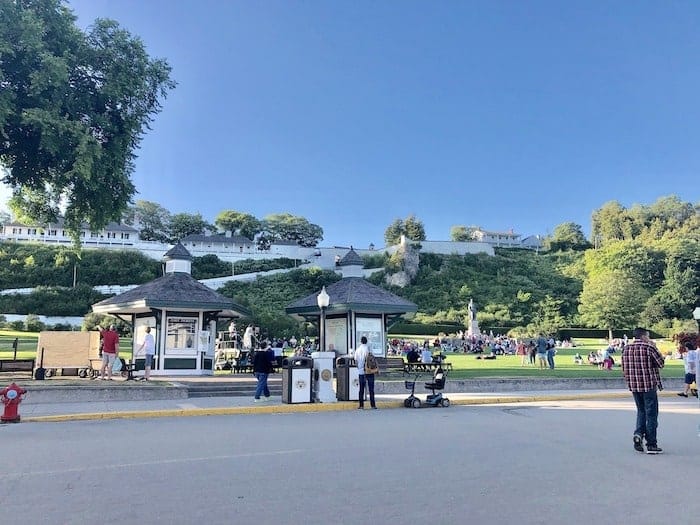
{"x":393,"y":232}
{"x":184,"y":224}
{"x":461,"y":233}
{"x":92,"y":320}
{"x":643,"y":263}
{"x":612,"y":300}
{"x":239,"y":223}
{"x":668,"y":217}
{"x":74,"y":107}
{"x":151,"y":219}
{"x":33,"y":324}
{"x":288,"y":227}
{"x":548,"y":318}
{"x":607,"y":223}
{"x":567,"y":236}
{"x":52,"y":301}
{"x":415,"y":230}
{"x":411,"y":227}
{"x":678,"y":295}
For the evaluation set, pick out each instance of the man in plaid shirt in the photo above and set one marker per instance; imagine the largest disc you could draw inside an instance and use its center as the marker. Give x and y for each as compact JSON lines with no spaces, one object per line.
{"x":641,"y":362}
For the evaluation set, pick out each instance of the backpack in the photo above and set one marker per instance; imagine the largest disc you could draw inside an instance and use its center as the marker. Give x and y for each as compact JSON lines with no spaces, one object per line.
{"x":371,"y":365}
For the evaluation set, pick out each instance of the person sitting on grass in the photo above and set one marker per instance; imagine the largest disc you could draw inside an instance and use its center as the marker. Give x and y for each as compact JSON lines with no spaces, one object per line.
{"x":578,"y":360}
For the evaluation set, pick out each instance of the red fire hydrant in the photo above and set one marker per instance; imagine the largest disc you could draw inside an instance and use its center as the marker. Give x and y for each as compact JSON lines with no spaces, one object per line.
{"x":11,"y":396}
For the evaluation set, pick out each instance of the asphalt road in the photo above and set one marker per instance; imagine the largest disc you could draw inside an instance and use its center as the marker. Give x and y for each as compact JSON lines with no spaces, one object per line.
{"x":548,"y":463}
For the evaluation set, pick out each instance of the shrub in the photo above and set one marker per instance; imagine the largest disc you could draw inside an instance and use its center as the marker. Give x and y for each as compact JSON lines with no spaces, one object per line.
{"x":33,"y":324}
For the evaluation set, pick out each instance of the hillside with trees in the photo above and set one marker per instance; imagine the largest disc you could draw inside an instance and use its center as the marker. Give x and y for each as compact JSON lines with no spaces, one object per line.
{"x":643,"y":268}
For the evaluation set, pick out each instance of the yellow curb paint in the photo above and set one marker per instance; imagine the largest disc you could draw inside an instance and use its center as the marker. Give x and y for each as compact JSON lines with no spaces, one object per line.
{"x":311,"y":407}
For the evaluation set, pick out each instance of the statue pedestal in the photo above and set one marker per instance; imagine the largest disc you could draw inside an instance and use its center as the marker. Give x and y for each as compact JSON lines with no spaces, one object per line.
{"x":474,"y":328}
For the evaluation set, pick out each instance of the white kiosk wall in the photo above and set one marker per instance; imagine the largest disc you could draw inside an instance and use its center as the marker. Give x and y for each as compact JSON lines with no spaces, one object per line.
{"x":373,"y":329}
{"x":337,"y":334}
{"x":140,"y":325}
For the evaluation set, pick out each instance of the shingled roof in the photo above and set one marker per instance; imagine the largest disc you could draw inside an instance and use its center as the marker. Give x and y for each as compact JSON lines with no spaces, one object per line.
{"x":356,"y":294}
{"x":178,"y":252}
{"x":351,"y":259}
{"x":172,"y":291}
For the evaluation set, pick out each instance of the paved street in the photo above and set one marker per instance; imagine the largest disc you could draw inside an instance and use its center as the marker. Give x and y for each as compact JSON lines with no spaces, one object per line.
{"x":549,"y":462}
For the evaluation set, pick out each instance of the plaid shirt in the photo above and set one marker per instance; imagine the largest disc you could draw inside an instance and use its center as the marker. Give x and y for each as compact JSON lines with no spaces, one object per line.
{"x":641,"y":362}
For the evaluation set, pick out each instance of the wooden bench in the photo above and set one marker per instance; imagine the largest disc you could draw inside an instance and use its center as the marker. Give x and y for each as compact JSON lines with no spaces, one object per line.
{"x":391,"y":365}
{"x":17,"y":365}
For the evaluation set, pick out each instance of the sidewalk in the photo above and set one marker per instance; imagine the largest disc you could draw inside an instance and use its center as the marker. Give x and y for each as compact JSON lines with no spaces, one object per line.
{"x":242,"y":405}
{"x":79,"y":399}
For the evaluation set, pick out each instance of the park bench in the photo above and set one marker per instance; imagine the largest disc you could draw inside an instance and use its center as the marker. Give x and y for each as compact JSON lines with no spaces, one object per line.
{"x":17,"y":365}
{"x":427,"y":367}
{"x":391,"y":365}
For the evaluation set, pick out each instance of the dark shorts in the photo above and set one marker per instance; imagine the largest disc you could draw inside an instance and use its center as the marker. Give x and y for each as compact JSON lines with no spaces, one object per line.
{"x":149,"y":361}
{"x":689,"y":378}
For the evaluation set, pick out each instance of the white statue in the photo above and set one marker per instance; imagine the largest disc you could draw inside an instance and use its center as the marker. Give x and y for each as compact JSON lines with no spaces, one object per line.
{"x":473,"y":323}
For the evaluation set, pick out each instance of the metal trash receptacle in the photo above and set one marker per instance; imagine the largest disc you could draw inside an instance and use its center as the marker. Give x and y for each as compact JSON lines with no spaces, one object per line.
{"x":296,"y":380}
{"x":347,"y":379}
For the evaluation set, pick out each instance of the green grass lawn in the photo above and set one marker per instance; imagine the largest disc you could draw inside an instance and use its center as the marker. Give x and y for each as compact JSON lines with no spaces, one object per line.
{"x":465,"y":366}
{"x":26,"y":348}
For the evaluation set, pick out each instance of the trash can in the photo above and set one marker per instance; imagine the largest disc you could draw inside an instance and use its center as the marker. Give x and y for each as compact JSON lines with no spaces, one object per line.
{"x":347,"y":379}
{"x":296,"y":380}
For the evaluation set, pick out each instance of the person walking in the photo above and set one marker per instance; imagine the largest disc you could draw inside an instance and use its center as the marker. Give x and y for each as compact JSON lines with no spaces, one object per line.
{"x":262,"y":366}
{"x":361,"y":358}
{"x":641,"y":362}
{"x":110,"y":351}
{"x":149,"y":346}
{"x":689,"y":364}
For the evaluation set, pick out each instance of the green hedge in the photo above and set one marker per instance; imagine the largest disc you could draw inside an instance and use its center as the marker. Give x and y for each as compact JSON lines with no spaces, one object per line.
{"x":432,"y":329}
{"x":429,"y":329}
{"x":593,"y":333}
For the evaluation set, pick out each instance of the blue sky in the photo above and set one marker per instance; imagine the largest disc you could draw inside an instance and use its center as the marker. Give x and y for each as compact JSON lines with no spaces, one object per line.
{"x":503,"y":114}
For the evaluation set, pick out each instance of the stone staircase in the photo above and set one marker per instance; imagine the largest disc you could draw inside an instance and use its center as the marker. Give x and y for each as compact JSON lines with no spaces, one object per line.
{"x":230,"y":389}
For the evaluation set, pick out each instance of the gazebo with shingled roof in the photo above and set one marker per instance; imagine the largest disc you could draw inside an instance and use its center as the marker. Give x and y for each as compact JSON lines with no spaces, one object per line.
{"x":356,"y":308}
{"x":182,"y":315}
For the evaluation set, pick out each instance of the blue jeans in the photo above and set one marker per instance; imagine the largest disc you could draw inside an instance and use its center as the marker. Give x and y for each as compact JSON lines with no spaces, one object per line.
{"x":262,"y":385}
{"x":647,"y":415}
{"x":370,"y":384}
{"x":550,"y":358}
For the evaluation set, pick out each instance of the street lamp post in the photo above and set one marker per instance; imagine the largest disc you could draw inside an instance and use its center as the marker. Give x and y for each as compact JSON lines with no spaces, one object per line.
{"x":323,"y":300}
{"x":323,"y":361}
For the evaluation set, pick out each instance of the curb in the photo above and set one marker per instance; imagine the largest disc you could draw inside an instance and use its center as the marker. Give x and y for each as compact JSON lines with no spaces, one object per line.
{"x":312,"y":407}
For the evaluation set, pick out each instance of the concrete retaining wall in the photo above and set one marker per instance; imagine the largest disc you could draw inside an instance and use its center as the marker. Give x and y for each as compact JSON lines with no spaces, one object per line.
{"x":519,"y":385}
{"x":122,"y":392}
{"x":87,"y":393}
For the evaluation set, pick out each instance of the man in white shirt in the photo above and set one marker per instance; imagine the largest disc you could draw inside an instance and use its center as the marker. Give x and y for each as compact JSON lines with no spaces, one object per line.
{"x":149,"y":345}
{"x":360,"y":359}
